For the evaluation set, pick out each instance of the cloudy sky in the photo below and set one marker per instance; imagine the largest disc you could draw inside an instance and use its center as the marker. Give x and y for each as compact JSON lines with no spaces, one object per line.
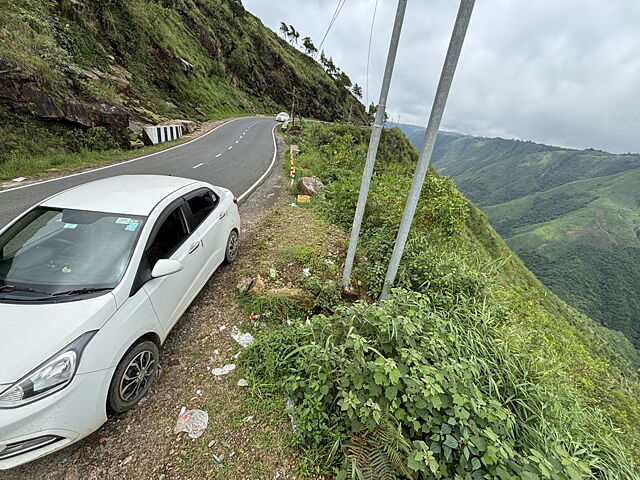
{"x":563,"y":72}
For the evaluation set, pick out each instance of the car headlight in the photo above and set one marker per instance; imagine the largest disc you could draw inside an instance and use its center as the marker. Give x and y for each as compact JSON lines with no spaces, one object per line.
{"x":53,"y":375}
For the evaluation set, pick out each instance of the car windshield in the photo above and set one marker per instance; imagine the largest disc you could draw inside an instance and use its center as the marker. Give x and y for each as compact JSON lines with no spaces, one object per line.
{"x":52,"y":252}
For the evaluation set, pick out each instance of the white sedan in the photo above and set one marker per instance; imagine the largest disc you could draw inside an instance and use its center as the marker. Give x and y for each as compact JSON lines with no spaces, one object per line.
{"x":91,"y":282}
{"x":282,"y":117}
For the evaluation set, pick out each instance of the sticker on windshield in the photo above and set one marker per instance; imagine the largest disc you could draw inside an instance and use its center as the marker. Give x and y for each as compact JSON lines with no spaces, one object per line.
{"x":70,"y":225}
{"x":132,"y":227}
{"x":125,"y":221}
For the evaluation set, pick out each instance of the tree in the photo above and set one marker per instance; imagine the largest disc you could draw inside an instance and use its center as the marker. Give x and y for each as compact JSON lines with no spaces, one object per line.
{"x":323,"y":59}
{"x":293,"y":35}
{"x":357,"y":90}
{"x":308,"y":45}
{"x":344,"y":80}
{"x":236,"y":8}
{"x":285,"y":30}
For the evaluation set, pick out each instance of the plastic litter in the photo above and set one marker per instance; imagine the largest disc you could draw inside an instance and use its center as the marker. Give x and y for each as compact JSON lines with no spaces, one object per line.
{"x":217,"y":458}
{"x":244,"y":339}
{"x":289,"y":407}
{"x":182,"y":410}
{"x":216,"y":352}
{"x":199,"y":393}
{"x":222,"y":327}
{"x":247,"y":419}
{"x":329,"y":262}
{"x":223,"y":370}
{"x":293,"y":204}
{"x":237,"y":354}
{"x":193,"y":422}
{"x":307,"y":272}
{"x":277,"y":476}
{"x":243,"y":382}
{"x":273,"y":273}
{"x":303,"y":198}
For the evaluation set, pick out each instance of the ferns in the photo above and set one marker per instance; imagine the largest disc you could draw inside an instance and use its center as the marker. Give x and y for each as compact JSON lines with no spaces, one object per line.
{"x":379,"y":454}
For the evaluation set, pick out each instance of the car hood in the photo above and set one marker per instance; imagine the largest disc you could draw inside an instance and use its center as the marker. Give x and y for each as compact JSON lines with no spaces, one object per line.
{"x":31,"y":333}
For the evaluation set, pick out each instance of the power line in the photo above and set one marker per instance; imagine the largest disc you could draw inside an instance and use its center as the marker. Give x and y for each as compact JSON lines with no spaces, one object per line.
{"x":373,"y":21}
{"x":336,"y":12}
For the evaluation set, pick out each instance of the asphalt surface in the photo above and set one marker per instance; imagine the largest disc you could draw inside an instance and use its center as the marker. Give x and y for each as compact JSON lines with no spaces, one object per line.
{"x":235,"y":155}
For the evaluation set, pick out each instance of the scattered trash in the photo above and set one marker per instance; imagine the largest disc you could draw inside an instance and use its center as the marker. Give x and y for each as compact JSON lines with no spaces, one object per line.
{"x":307,"y":272}
{"x":273,"y":273}
{"x":247,"y":419}
{"x":293,"y":204}
{"x":211,"y":443}
{"x":289,"y":406}
{"x":217,"y":458}
{"x":199,"y":393}
{"x":222,"y":327}
{"x":19,"y":179}
{"x":216,"y":352}
{"x":303,"y":198}
{"x":182,"y":410}
{"x":237,"y":354}
{"x":194,"y":422}
{"x":224,"y":370}
{"x":329,"y":262}
{"x":277,"y":476}
{"x":244,"y":339}
{"x":127,"y":460}
{"x":289,"y":322}
{"x":254,"y":317}
{"x":243,"y":382}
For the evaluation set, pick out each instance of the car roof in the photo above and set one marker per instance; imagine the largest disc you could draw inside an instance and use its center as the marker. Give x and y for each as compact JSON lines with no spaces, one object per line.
{"x":130,"y":194}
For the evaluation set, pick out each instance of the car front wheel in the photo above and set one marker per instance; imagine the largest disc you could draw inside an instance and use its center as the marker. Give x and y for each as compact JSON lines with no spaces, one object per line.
{"x":133,"y":377}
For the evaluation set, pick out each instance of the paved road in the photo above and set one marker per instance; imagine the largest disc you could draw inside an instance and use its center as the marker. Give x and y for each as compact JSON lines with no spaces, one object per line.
{"x":235,"y":155}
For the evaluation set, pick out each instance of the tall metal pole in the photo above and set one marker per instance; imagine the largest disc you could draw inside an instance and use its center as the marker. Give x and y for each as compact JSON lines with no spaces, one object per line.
{"x":376,"y":132}
{"x":446,"y":77}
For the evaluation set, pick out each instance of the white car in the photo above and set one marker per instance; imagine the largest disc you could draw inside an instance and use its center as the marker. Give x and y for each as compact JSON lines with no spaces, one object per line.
{"x":91,"y":282}
{"x":282,"y":117}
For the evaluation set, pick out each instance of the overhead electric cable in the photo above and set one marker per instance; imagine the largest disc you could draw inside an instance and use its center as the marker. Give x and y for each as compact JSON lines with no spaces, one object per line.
{"x":336,"y":12}
{"x":373,"y":21}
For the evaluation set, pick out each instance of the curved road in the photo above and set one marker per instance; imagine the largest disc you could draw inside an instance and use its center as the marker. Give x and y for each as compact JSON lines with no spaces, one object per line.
{"x":237,"y":155}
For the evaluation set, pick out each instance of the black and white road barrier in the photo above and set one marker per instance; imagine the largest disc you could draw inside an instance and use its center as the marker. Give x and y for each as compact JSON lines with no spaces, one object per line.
{"x":161,"y":133}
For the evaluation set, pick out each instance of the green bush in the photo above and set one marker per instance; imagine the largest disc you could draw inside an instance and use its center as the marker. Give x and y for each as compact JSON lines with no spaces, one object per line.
{"x":94,"y":138}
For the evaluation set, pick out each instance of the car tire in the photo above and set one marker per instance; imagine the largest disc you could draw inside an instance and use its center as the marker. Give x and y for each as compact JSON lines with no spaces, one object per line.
{"x":231,"y":251}
{"x":133,"y":377}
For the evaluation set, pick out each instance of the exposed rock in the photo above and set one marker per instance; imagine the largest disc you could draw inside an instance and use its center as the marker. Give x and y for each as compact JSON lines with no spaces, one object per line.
{"x":310,"y":186}
{"x":258,"y":286}
{"x":244,"y":284}
{"x":39,"y":103}
{"x":187,"y":125}
{"x":187,"y":67}
{"x":135,"y":127}
{"x":296,"y":295}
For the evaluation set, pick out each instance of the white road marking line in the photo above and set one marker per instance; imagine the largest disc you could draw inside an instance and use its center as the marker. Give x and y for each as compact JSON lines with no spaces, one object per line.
{"x":237,"y":141}
{"x":266,"y":173}
{"x":198,"y":165}
{"x":115,"y":164}
{"x":218,"y":155}
{"x":230,"y":147}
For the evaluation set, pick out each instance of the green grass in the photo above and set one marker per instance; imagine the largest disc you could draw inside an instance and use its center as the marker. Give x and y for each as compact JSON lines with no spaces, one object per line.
{"x":471,"y":326}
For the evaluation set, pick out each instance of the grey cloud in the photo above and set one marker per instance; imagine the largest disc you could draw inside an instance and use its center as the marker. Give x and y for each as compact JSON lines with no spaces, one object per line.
{"x":560,"y":72}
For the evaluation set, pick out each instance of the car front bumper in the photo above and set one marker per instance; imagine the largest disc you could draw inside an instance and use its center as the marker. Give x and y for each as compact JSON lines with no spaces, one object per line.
{"x":44,"y":426}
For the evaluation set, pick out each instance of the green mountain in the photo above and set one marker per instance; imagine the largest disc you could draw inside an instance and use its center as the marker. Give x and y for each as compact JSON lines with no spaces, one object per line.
{"x":76,"y":73}
{"x":573,"y":217}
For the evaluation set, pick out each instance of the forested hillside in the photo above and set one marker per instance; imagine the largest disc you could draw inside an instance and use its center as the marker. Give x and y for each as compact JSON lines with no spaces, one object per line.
{"x":75,"y":74}
{"x":573,"y":217}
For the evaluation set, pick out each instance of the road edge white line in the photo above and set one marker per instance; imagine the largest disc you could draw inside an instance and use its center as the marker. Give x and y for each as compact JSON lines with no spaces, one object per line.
{"x":268,"y":171}
{"x":198,"y":165}
{"x":41,"y":182}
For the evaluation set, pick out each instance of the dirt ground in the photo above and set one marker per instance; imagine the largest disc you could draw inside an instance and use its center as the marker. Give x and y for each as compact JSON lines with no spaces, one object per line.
{"x":250,"y":436}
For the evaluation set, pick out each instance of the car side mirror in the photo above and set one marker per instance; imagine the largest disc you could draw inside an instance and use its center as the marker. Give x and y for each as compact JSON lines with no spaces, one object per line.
{"x":166,"y":266}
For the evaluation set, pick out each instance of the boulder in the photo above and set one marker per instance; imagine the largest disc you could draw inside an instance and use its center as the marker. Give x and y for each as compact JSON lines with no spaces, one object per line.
{"x":251,"y":286}
{"x":40,"y":104}
{"x":296,"y":295}
{"x":310,"y":186}
{"x":187,"y":125}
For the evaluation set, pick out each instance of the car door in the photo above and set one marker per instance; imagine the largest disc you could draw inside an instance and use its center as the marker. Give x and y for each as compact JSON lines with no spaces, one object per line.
{"x":209,"y":220}
{"x":172,"y":238}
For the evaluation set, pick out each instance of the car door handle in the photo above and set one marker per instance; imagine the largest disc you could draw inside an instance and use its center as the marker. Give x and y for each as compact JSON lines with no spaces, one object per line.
{"x":223,"y":214}
{"x":194,"y":246}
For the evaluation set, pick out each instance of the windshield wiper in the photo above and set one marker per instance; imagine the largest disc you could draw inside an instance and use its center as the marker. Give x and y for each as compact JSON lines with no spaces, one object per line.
{"x":15,"y":288}
{"x":81,"y":291}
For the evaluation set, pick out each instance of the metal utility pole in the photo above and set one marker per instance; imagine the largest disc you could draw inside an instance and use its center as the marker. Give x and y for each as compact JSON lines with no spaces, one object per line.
{"x":446,"y":77}
{"x":376,"y":133}
{"x":293,"y":102}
